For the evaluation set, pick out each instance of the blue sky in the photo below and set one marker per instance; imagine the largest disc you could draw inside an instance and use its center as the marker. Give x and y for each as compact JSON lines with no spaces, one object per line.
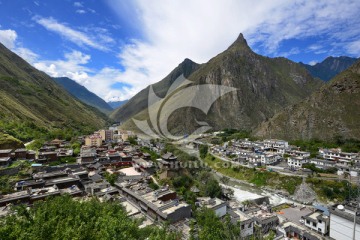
{"x":116,"y":48}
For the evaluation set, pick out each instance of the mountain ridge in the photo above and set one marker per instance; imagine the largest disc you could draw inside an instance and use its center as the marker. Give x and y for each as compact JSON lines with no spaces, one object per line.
{"x":265,"y":85}
{"x":330,"y":67}
{"x":83,"y":94}
{"x":330,"y":112}
{"x":34,"y":104}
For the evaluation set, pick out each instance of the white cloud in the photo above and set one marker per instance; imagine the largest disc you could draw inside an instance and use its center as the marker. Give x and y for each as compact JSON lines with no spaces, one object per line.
{"x":72,"y":66}
{"x":80,"y":11}
{"x":78,"y":4}
{"x":26,"y":54}
{"x":8,"y":38}
{"x":99,"y":82}
{"x":178,"y":29}
{"x":79,"y":38}
{"x":354,"y":47}
{"x":312,"y":63}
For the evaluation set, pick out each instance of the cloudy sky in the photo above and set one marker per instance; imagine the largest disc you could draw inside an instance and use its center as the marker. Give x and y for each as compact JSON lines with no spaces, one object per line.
{"x":115,"y":48}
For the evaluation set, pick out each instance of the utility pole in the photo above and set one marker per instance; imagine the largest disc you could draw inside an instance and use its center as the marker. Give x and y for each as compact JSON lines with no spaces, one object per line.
{"x":357,"y":205}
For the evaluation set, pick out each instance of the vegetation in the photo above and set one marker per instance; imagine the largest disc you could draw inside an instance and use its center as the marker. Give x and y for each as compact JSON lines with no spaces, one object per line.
{"x":332,"y":190}
{"x":209,"y":226}
{"x":111,"y":178}
{"x":65,"y":218}
{"x":313,"y":145}
{"x":132,"y":140}
{"x":9,"y":142}
{"x":63,"y":160}
{"x":35,"y":144}
{"x":258,"y":176}
{"x":228,"y":134}
{"x":313,"y":168}
{"x":153,"y":154}
{"x":203,"y":150}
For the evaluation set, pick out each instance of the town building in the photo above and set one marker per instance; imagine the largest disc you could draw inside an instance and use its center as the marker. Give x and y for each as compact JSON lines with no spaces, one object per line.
{"x":342,"y":222}
{"x":107,"y":135}
{"x":317,"y":221}
{"x":215,"y":204}
{"x":296,"y":162}
{"x":290,"y":230}
{"x":5,"y":153}
{"x":93,"y":140}
{"x":160,"y":205}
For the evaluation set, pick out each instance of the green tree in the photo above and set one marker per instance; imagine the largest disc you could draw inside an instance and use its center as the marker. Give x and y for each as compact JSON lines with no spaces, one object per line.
{"x":203,"y":150}
{"x":65,"y":218}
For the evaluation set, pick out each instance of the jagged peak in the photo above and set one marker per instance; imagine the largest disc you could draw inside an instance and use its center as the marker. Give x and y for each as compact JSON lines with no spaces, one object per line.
{"x":240,"y":43}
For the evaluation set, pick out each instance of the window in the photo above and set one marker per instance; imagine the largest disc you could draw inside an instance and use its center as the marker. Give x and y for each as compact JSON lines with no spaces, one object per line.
{"x":319,"y":229}
{"x":320,"y":221}
{"x":314,"y":224}
{"x":250,"y":225}
{"x":307,"y":222}
{"x":242,"y":227}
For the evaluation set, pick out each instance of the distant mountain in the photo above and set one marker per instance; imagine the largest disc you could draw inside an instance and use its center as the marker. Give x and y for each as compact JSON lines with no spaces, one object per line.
{"x":117,"y":104}
{"x":84,"y":95}
{"x":330,"y":67}
{"x":140,"y":101}
{"x":264,"y":87}
{"x":33,"y":104}
{"x":329,"y":112}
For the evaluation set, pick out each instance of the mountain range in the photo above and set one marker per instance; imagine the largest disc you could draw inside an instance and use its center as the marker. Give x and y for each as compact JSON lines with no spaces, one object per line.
{"x":117,"y":104}
{"x":264,"y":87}
{"x":83,"y":94}
{"x":139,"y":102}
{"x":330,"y":112}
{"x":32,"y":103}
{"x":330,"y":67}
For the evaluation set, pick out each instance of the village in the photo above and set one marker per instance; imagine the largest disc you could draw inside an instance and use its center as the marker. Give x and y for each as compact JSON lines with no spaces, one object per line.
{"x":116,"y":165}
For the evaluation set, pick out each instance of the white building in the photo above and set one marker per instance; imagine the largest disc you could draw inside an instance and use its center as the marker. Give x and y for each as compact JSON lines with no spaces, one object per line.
{"x":342,"y":222}
{"x":337,"y":154}
{"x":297,"y":162}
{"x":218,"y":205}
{"x":317,"y":221}
{"x":269,"y":159}
{"x":276,"y":144}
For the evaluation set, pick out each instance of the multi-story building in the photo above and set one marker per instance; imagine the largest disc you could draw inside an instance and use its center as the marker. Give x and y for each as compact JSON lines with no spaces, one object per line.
{"x":296,"y":162}
{"x":93,"y":140}
{"x":317,"y":221}
{"x":106,"y":135}
{"x":337,"y":155}
{"x":269,"y":159}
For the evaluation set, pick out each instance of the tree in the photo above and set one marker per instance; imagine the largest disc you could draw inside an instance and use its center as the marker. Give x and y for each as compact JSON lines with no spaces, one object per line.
{"x":209,"y":226}
{"x":203,"y":150}
{"x":64,"y":218}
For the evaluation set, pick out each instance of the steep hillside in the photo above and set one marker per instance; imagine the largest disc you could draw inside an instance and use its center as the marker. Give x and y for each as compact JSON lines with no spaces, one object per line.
{"x":84,"y":95}
{"x":332,"y":111}
{"x":140,"y":101}
{"x":330,"y":67}
{"x":33,"y":104}
{"x":117,"y":104}
{"x":264,"y":86}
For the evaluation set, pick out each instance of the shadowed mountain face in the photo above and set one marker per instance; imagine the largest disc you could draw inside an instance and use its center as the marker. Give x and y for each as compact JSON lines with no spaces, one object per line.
{"x":84,"y":95}
{"x":31,"y":99}
{"x":264,"y":86}
{"x":330,"y":67}
{"x":329,"y":112}
{"x":117,"y":104}
{"x":140,"y":101}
